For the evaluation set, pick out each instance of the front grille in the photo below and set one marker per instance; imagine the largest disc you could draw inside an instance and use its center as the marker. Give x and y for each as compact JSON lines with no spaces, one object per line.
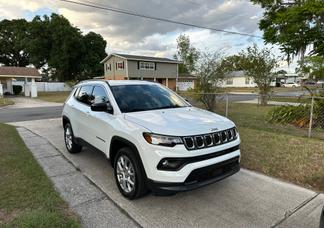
{"x":207,"y":140}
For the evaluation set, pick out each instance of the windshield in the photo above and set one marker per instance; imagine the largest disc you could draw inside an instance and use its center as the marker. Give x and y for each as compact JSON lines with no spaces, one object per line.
{"x":134,"y":98}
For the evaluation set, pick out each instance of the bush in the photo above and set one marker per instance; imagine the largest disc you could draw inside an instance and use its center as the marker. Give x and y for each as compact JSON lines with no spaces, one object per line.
{"x":17,"y":89}
{"x":296,"y":115}
{"x":299,"y":115}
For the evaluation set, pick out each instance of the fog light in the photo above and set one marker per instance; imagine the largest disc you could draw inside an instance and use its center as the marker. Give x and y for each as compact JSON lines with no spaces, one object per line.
{"x":165,"y":163}
{"x":170,"y":164}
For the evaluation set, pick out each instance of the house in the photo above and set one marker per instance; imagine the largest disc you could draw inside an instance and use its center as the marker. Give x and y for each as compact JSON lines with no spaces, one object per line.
{"x":238,"y":79}
{"x":289,"y":77}
{"x":8,"y":74}
{"x":136,"y":67}
{"x":186,"y":82}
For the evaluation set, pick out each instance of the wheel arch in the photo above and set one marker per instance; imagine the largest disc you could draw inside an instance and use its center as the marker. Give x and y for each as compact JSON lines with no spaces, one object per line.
{"x":117,"y":143}
{"x":65,"y":120}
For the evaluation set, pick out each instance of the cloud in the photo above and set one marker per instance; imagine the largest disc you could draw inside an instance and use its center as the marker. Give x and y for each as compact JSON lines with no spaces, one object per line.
{"x":129,"y":34}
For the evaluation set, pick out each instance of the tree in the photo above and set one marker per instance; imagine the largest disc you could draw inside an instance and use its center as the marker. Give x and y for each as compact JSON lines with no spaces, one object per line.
{"x":40,"y":41}
{"x":186,"y":53}
{"x":313,"y":66}
{"x":258,"y":65}
{"x":53,"y":45}
{"x":294,"y":25}
{"x":67,"y":49}
{"x":94,"y":46}
{"x":13,"y":39}
{"x":210,"y":75}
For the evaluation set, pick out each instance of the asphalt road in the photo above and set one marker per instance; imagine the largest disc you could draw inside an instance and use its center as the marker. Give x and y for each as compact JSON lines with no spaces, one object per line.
{"x":246,"y":199}
{"x":24,"y":114}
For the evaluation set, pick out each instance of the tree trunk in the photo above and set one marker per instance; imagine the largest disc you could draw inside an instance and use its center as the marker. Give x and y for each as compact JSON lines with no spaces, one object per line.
{"x":263,"y":98}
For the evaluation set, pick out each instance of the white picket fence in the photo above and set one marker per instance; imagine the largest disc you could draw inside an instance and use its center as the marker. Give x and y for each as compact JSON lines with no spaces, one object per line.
{"x":46,"y":86}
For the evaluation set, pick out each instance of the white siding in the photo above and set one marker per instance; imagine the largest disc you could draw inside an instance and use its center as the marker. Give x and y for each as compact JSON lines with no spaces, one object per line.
{"x":239,"y":82}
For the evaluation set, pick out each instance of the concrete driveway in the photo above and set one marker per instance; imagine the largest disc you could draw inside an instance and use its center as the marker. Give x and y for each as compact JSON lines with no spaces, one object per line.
{"x":247,"y":199}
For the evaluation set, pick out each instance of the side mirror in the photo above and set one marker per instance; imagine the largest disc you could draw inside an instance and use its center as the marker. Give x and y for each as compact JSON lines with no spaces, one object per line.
{"x":102,"y":107}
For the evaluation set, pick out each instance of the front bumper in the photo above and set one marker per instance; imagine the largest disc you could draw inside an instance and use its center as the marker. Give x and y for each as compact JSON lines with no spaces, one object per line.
{"x":198,"y":177}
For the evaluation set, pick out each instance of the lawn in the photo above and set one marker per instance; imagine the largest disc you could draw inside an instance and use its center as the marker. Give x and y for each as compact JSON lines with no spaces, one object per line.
{"x":27,"y":197}
{"x":280,"y":151}
{"x":5,"y":102}
{"x":58,"y":97}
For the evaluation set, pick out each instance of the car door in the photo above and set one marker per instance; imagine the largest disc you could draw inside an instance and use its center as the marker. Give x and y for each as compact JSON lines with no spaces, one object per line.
{"x":83,"y":109}
{"x":101,"y":123}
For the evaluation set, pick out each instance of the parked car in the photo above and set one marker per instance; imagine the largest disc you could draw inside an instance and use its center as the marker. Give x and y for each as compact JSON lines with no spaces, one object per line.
{"x":290,"y":85}
{"x":309,"y":83}
{"x":154,"y":138}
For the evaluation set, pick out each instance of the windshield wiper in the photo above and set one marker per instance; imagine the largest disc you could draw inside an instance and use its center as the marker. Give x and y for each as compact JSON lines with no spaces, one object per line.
{"x":167,"y":107}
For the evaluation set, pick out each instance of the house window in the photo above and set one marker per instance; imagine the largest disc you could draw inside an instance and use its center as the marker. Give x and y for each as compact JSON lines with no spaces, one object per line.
{"x":247,"y":81}
{"x":108,"y":66}
{"x":147,"y":65}
{"x":229,"y":81}
{"x":119,"y":65}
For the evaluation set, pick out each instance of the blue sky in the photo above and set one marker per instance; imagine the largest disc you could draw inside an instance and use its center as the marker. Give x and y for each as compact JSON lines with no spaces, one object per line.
{"x":128,"y":34}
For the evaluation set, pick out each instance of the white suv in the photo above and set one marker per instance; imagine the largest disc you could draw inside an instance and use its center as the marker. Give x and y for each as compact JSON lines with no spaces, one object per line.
{"x":154,"y":138}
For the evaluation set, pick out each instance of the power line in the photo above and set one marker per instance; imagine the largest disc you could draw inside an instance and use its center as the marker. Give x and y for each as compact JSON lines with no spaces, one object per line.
{"x":136,"y":14}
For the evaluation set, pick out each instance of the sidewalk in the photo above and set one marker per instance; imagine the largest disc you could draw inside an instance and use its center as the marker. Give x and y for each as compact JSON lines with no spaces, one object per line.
{"x":277,"y":103}
{"x":92,"y":205}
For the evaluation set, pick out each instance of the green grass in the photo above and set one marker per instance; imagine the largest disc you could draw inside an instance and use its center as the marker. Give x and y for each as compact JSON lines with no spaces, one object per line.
{"x":292,"y":158}
{"x":27,"y":197}
{"x":5,"y":102}
{"x":58,"y":97}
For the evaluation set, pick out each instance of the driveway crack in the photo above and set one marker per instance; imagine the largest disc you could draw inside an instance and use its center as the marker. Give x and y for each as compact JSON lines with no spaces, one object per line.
{"x":293,"y":211}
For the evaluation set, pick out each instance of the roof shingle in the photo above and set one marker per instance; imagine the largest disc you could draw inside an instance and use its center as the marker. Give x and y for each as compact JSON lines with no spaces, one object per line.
{"x":19,"y":71}
{"x":141,"y":57}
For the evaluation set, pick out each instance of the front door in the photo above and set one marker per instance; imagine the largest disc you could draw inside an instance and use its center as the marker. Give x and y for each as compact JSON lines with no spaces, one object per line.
{"x":100,"y":128}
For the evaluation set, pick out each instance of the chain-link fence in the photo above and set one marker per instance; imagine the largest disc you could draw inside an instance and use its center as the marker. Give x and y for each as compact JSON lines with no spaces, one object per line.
{"x":300,"y":115}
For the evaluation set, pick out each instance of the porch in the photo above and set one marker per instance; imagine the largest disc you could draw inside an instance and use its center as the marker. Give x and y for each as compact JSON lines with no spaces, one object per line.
{"x":25,"y":74}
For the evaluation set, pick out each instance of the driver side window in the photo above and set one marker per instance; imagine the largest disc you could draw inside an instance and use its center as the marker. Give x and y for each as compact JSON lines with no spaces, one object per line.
{"x":99,"y":95}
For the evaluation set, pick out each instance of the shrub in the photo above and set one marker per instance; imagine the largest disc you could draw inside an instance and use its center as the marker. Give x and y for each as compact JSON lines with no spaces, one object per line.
{"x":17,"y":89}
{"x":296,"y":115}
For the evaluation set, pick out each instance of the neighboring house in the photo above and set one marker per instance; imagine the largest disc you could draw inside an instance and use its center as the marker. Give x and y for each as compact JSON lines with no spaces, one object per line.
{"x":9,"y":74}
{"x":135,"y":67}
{"x":238,"y":79}
{"x":289,"y":77}
{"x":186,"y":81}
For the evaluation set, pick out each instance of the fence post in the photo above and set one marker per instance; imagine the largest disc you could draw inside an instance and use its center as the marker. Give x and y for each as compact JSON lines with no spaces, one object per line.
{"x":226,"y":108}
{"x":311,"y":118}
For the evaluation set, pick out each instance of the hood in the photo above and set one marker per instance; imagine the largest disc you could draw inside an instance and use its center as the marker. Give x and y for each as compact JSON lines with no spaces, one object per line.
{"x":180,"y":121}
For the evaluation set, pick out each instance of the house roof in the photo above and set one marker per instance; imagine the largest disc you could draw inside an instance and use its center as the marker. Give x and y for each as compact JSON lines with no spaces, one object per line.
{"x":235,"y":74}
{"x":8,"y":71}
{"x":141,"y":58}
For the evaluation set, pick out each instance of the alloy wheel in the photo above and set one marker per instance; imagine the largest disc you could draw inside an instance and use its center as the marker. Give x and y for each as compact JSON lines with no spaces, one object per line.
{"x":125,"y":174}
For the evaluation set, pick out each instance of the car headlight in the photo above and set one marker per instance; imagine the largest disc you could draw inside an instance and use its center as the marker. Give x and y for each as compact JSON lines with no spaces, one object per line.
{"x":162,"y":140}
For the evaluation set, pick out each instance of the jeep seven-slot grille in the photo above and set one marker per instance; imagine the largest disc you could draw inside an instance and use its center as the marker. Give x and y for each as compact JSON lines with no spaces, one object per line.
{"x":194,"y":142}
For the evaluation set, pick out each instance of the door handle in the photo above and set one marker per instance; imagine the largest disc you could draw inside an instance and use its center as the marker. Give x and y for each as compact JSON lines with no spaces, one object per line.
{"x":87,"y":113}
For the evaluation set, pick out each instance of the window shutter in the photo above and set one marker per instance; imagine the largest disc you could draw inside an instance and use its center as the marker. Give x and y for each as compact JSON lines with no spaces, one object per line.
{"x":138,"y":64}
{"x":109,"y":66}
{"x":123,"y":65}
{"x":155,"y":66}
{"x":116,"y":66}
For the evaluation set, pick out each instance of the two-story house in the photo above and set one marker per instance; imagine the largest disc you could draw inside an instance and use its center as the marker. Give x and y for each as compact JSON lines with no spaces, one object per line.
{"x":135,"y":67}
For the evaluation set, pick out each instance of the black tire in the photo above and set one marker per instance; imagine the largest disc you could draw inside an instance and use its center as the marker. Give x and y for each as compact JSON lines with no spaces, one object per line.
{"x":140,"y":188}
{"x":72,"y":147}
